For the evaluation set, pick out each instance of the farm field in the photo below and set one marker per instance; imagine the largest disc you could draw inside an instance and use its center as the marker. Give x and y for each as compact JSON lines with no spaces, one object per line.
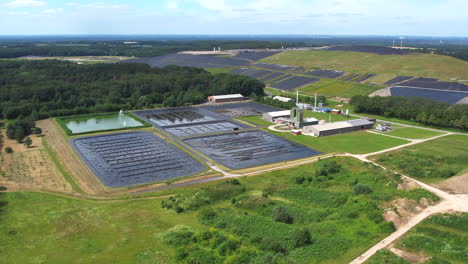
{"x":385,"y":66}
{"x":359,"y":142}
{"x":325,"y":220}
{"x":442,"y":237}
{"x":410,"y":132}
{"x":433,"y":161}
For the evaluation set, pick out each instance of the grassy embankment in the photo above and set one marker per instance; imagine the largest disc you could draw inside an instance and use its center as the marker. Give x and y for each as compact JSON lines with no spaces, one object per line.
{"x":442,"y":238}
{"x":385,"y":66}
{"x":342,"y":223}
{"x":431,"y":161}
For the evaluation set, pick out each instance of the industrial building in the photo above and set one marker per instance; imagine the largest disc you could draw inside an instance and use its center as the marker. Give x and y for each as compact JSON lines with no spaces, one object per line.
{"x":282,"y":99}
{"x":335,"y":128}
{"x":273,"y":116}
{"x":226,"y":98}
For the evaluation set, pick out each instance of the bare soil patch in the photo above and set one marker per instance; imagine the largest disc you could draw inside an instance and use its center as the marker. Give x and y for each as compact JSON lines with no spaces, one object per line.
{"x":410,"y":257}
{"x":455,"y":185}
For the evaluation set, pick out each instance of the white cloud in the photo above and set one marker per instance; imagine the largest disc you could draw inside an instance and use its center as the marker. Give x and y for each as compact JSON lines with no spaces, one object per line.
{"x":25,"y":3}
{"x":22,"y":13}
{"x":172,"y":5}
{"x":52,"y":11}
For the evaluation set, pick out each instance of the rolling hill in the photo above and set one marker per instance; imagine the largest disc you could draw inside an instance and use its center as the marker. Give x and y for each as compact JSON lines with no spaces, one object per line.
{"x":385,"y":66}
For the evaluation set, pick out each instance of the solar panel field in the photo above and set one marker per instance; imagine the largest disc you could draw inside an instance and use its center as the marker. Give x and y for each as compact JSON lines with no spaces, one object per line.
{"x":133,"y":158}
{"x":294,"y":82}
{"x":201,"y":61}
{"x":450,"y":97}
{"x":325,"y":73}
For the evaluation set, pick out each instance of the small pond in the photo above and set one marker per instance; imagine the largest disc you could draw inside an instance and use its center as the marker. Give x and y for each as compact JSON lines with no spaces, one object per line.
{"x":89,"y":124}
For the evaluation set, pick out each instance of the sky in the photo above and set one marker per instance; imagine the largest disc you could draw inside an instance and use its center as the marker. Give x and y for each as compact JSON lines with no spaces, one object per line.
{"x":244,"y":17}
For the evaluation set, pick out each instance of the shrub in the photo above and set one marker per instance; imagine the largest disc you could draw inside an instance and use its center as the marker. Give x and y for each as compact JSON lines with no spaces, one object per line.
{"x":301,"y":237}
{"x":326,"y":167}
{"x":228,"y":247}
{"x":271,"y":244}
{"x":201,"y":256}
{"x":8,"y":150}
{"x":37,"y":131}
{"x":178,"y":236}
{"x":280,"y":214}
{"x":299,"y":179}
{"x":235,"y":182}
{"x":361,"y":188}
{"x":206,"y":216}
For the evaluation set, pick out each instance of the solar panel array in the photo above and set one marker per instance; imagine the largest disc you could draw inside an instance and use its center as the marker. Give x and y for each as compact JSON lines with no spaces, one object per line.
{"x":440,"y":85}
{"x":256,"y":73}
{"x":364,"y":77}
{"x":325,"y":73}
{"x":450,"y":97}
{"x":248,"y":149}
{"x":398,"y":79}
{"x":125,"y":159}
{"x":271,"y":76}
{"x":276,"y":67}
{"x":191,"y":130}
{"x":350,"y":77}
{"x":201,"y":61}
{"x":294,"y":82}
{"x":178,"y":116}
{"x":255,"y":56}
{"x":238,"y":70}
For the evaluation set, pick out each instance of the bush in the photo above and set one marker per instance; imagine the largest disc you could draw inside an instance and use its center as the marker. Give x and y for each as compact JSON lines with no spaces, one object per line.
{"x":206,"y":216}
{"x":37,"y":131}
{"x":178,"y":236}
{"x":299,"y":179}
{"x":361,"y":188}
{"x":301,"y":238}
{"x":228,"y":247}
{"x":201,"y":256}
{"x":280,"y":214}
{"x":326,"y":167}
{"x":8,"y":150}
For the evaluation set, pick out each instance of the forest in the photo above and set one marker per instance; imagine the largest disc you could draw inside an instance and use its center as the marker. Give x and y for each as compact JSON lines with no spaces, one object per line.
{"x":41,"y":89}
{"x":120,"y":48}
{"x":425,"y":111}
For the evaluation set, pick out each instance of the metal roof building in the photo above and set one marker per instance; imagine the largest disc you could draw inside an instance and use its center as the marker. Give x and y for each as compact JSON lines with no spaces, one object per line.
{"x":335,"y":128}
{"x":271,"y":116}
{"x":226,"y":98}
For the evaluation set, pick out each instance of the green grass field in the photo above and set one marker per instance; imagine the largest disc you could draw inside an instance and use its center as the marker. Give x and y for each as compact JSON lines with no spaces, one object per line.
{"x":443,"y":237}
{"x":355,"y":143}
{"x":332,"y":88}
{"x":219,"y":70}
{"x":43,"y":228}
{"x":433,"y":160}
{"x":255,"y":120}
{"x":385,"y":66}
{"x":410,"y":132}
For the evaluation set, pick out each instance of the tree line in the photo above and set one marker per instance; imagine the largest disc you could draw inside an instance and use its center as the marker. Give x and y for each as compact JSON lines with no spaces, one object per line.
{"x":120,"y":48}
{"x":425,"y":111}
{"x":42,"y":89}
